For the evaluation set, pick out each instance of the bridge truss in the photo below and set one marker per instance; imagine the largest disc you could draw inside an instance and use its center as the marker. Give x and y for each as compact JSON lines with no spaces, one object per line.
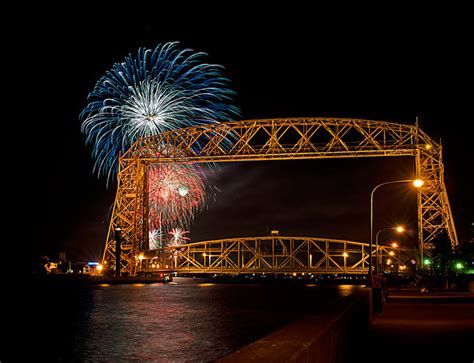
{"x":276,"y":139}
{"x":271,"y":254}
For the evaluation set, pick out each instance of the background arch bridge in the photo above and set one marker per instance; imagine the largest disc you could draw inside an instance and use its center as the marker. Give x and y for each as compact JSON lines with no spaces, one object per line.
{"x":271,"y":254}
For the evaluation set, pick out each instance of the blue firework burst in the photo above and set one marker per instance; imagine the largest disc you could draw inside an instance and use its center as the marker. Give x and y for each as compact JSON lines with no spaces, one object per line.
{"x":158,"y":90}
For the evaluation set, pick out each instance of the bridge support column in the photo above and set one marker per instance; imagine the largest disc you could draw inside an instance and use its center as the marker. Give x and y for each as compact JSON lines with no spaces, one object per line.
{"x":434,"y":211}
{"x":118,"y":251}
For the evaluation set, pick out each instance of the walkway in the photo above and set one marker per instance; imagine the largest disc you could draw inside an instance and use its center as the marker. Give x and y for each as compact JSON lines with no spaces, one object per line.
{"x":415,"y":327}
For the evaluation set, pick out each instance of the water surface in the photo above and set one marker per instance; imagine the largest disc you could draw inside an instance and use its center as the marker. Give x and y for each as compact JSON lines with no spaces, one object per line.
{"x":189,"y":320}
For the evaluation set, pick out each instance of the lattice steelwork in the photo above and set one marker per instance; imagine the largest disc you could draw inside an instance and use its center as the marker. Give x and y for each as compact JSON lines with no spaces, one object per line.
{"x":278,"y":139}
{"x":272,"y":254}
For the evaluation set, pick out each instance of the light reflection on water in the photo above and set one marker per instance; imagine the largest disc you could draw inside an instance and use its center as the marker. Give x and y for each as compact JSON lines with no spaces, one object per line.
{"x":190,"y":320}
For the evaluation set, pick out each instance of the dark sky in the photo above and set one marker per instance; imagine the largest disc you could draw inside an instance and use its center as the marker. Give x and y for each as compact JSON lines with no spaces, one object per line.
{"x":393,"y":66}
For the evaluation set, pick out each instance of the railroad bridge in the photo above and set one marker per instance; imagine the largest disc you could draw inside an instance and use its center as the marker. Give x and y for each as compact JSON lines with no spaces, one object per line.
{"x":274,"y":139}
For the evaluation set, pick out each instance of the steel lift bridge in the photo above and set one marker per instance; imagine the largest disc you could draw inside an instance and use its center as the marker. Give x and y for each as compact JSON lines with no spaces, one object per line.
{"x":273,"y":139}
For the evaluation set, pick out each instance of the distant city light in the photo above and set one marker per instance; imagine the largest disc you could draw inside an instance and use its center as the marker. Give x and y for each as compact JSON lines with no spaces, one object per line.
{"x":92,"y":263}
{"x":427,"y":261}
{"x":459,"y":266}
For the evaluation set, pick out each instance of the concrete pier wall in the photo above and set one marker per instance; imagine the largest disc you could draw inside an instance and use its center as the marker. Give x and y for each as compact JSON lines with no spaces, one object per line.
{"x":331,"y":338}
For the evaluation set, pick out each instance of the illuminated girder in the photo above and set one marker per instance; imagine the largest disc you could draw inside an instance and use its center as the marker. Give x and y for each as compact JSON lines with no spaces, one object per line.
{"x":272,"y":254}
{"x":277,"y":139}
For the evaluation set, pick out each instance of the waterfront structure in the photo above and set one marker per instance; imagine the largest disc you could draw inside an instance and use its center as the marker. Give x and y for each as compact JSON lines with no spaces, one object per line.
{"x":277,"y":139}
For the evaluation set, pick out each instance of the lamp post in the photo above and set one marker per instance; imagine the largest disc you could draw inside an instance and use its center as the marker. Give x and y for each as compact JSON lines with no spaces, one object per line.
{"x":417,"y":183}
{"x":399,"y":229}
{"x":208,"y":255}
{"x":395,"y":245}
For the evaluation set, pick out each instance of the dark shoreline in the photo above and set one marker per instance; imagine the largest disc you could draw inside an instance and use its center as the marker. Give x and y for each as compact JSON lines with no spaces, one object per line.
{"x":98,"y":280}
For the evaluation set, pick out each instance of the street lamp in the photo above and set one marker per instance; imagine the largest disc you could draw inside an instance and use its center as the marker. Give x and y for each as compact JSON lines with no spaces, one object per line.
{"x":209,"y":255}
{"x":395,"y":245}
{"x":417,"y":183}
{"x":399,"y":229}
{"x":345,"y":255}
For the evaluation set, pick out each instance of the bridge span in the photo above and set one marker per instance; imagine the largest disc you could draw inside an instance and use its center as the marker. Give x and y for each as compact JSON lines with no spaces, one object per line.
{"x":260,"y":255}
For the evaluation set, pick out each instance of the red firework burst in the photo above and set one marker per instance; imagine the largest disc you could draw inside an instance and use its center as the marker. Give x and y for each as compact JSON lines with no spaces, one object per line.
{"x":176,"y":194}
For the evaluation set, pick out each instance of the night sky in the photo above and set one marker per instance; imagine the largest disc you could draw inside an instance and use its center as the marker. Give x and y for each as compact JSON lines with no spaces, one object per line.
{"x":291,"y":65}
